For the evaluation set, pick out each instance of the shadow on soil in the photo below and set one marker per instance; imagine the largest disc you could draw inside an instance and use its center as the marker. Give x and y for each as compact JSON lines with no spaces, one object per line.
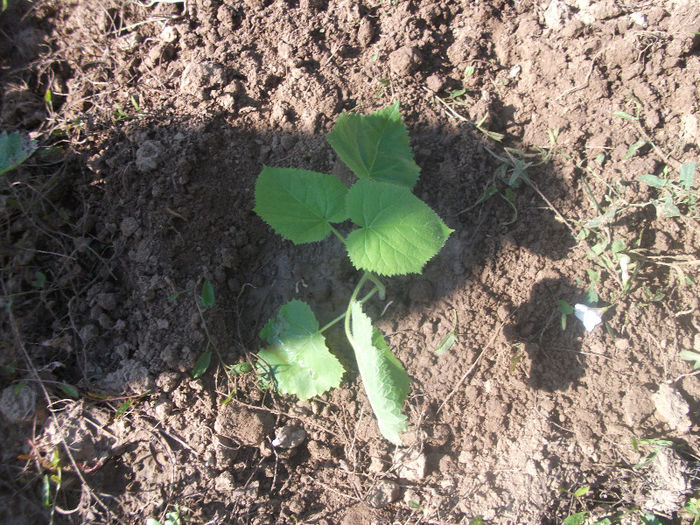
{"x":156,"y":207}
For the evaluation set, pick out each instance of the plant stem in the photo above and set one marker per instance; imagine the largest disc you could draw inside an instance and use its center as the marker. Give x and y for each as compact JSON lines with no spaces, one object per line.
{"x":380,"y":286}
{"x":342,"y":316}
{"x":353,"y":298}
{"x":337,"y":234}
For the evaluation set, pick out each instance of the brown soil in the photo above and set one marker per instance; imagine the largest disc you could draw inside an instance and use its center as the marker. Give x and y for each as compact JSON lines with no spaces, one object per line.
{"x":159,"y":121}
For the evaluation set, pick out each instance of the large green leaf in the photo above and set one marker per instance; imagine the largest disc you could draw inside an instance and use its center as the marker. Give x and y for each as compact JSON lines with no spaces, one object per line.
{"x":299,"y":204}
{"x":385,"y":380}
{"x":376,"y":146}
{"x":398,"y":232}
{"x":296,"y":360}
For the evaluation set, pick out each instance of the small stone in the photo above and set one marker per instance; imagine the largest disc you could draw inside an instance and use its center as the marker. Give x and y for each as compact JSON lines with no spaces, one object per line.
{"x":639,"y":18}
{"x":162,"y":324}
{"x":411,"y":464}
{"x":168,"y":34}
{"x":162,"y":410}
{"x":18,"y":403}
{"x":148,"y":156}
{"x":383,"y":494}
{"x":168,"y":381}
{"x":225,"y":483}
{"x":434,"y":83}
{"x":107,"y":301}
{"x":289,"y":436}
{"x":198,"y":79}
{"x":672,"y":408}
{"x":404,"y":60}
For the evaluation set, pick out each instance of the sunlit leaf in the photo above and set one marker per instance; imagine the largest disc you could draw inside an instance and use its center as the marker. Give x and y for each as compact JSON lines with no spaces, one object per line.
{"x":398,"y":232}
{"x":201,"y":364}
{"x":383,"y":377}
{"x":297,"y":360}
{"x":376,"y":146}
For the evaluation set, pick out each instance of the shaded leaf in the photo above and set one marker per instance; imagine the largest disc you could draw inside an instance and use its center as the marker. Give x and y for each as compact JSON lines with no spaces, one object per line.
{"x":14,"y":150}
{"x":297,"y":360}
{"x":576,"y":519}
{"x":70,"y":390}
{"x":634,"y":147}
{"x":201,"y":364}
{"x":299,"y":204}
{"x":240,"y":368}
{"x":207,"y":295}
{"x":383,"y":377}
{"x":376,"y":146}
{"x":398,"y":232}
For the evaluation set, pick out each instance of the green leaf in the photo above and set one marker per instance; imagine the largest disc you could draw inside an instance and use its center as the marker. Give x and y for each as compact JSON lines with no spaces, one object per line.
{"x":576,"y":519}
{"x":240,"y":368}
{"x":446,"y":343}
{"x":299,"y":204}
{"x":123,"y":408}
{"x":46,"y":491}
{"x":626,"y":116}
{"x":384,"y":378}
{"x":690,"y":355}
{"x":650,"y":519}
{"x":398,"y":232}
{"x":297,"y":360}
{"x":634,"y":147}
{"x":687,"y":175}
{"x":207,"y":296}
{"x":669,"y":207}
{"x":14,"y":150}
{"x":153,"y":521}
{"x":450,"y":339}
{"x":201,"y":364}
{"x":376,"y":146}
{"x":565,"y":307}
{"x":69,"y":390}
{"x":582,"y":491}
{"x":653,"y":181}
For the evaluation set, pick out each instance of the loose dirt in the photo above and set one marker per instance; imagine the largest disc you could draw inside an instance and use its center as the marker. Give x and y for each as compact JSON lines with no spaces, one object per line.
{"x":158,"y":120}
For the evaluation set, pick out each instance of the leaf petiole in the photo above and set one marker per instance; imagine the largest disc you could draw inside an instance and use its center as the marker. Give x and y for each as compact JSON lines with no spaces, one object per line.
{"x":361,"y":301}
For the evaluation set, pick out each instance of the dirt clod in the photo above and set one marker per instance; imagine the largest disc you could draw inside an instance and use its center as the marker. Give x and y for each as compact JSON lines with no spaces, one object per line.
{"x":672,"y":408}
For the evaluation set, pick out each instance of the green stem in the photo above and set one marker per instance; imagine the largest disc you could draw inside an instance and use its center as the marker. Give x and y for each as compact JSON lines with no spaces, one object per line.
{"x":353,"y":297}
{"x":342,"y":316}
{"x":380,"y":285}
{"x":337,"y":234}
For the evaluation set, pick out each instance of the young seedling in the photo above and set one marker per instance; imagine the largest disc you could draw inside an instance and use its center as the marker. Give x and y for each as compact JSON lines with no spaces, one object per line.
{"x":395,"y":234}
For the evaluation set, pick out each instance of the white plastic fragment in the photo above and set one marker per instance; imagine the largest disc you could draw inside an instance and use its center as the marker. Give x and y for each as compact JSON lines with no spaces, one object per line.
{"x":624,"y":268}
{"x":590,"y":317}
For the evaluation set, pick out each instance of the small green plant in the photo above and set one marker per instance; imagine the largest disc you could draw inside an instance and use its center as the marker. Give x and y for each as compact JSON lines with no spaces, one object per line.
{"x":14,"y":150}
{"x":174,"y":517}
{"x":674,"y":195}
{"x":692,"y":357}
{"x":396,"y":234}
{"x":692,"y":507}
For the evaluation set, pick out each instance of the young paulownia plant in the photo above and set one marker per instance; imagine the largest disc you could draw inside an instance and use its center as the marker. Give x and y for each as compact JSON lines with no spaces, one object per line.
{"x":396,"y":234}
